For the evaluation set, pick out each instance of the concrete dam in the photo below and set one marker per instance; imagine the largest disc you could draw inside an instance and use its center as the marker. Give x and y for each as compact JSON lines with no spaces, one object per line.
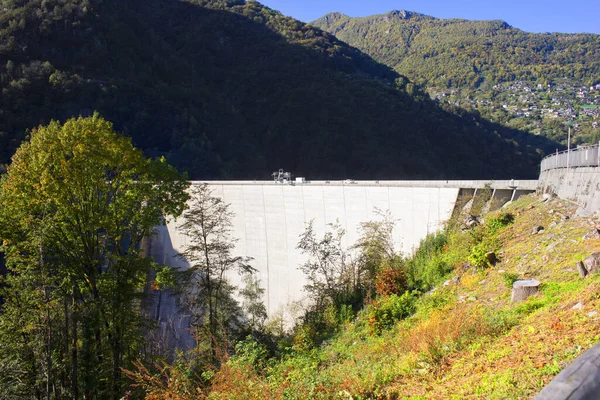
{"x":270,"y":216}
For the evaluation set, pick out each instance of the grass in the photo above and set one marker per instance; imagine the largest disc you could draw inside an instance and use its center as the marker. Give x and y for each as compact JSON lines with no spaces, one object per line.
{"x":464,"y":340}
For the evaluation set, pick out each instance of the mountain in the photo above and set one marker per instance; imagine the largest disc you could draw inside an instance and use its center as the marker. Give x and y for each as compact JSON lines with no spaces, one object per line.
{"x":233,"y":89}
{"x":459,"y":53}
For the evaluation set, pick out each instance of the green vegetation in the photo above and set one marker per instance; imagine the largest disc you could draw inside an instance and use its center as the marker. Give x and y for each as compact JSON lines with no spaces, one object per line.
{"x":232,"y":89}
{"x":412,"y":345}
{"x":204,"y":293}
{"x":461,"y":53}
{"x":77,"y":201}
{"x":526,"y":81}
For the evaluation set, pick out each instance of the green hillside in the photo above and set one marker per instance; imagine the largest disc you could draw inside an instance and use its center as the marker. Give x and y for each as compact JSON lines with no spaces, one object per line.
{"x":232,"y":89}
{"x":459,"y":53}
{"x":538,"y":83}
{"x":463,"y":340}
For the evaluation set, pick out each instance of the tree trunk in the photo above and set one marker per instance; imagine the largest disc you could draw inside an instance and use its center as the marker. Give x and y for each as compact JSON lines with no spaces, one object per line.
{"x":63,"y":375}
{"x":74,"y":386}
{"x":523,"y":289}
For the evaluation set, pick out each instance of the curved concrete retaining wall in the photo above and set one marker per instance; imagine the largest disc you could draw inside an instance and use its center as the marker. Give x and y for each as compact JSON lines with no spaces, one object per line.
{"x":581,"y":185}
{"x":268,"y":220}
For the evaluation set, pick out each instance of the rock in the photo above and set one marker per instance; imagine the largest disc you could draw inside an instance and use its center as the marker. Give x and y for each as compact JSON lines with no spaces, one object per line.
{"x":456,"y":280}
{"x":447,"y":283}
{"x":537,"y":229}
{"x":582,"y":269}
{"x":467,"y":266}
{"x":592,"y":314}
{"x":490,"y":256}
{"x":577,"y":306}
{"x":562,"y":216}
{"x":471,"y":221}
{"x":593,"y":234}
{"x":472,"y":298}
{"x":522,"y":289}
{"x":592,"y":263}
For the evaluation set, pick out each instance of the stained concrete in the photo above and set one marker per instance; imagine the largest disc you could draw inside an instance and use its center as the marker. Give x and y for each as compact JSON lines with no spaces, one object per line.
{"x":581,"y":185}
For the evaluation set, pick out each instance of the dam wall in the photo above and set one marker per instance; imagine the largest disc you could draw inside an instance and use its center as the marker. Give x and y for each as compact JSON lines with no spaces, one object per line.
{"x":270,"y":216}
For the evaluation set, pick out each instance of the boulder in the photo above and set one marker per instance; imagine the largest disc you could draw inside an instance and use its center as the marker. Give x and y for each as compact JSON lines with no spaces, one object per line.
{"x":582,"y":212}
{"x":592,"y":263}
{"x":582,"y":269}
{"x":471,"y":221}
{"x":537,"y":229}
{"x":593,"y":234}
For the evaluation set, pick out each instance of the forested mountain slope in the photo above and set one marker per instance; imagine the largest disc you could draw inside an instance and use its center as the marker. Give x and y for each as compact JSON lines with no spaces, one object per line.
{"x":458,"y":53}
{"x":234,"y":90}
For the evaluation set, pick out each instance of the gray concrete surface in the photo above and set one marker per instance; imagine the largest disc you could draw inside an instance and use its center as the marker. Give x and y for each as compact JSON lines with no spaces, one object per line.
{"x":581,"y":185}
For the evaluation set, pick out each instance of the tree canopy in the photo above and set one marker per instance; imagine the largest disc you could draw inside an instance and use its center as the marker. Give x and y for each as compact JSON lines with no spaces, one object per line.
{"x":77,"y":200}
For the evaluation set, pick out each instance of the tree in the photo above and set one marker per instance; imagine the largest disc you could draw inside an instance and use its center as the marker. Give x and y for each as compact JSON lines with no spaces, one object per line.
{"x":76,"y":202}
{"x":252,"y":304}
{"x":206,"y":292}
{"x":328,"y":270}
{"x":377,"y":261}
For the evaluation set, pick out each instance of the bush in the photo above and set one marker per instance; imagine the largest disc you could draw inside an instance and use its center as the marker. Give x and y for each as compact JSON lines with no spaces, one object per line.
{"x":509,"y":279}
{"x":478,"y":256}
{"x":391,"y":280}
{"x":502,"y":220}
{"x":427,"y":267}
{"x":487,"y":240}
{"x":386,"y":311}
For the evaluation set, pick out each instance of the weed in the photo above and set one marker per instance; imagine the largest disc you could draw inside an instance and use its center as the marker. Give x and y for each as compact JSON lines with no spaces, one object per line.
{"x":509,"y":279}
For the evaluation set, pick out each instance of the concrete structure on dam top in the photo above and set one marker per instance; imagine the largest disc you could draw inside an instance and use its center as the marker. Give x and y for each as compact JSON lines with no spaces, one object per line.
{"x":270,"y":216}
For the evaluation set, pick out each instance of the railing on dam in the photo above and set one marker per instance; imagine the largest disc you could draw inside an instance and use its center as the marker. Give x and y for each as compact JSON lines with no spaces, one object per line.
{"x":584,"y":156}
{"x":520,"y":184}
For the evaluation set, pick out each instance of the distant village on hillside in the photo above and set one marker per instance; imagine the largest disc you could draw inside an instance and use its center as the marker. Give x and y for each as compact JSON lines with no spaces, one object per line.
{"x":529,"y":104}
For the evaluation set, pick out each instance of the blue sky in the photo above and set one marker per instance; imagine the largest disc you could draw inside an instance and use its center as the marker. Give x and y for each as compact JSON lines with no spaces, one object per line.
{"x":529,"y":15}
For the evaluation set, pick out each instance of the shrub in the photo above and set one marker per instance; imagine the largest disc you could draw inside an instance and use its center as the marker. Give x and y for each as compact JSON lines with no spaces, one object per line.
{"x":427,"y":267}
{"x":391,"y":280}
{"x":500,"y":221}
{"x":386,"y":311}
{"x":478,"y":256}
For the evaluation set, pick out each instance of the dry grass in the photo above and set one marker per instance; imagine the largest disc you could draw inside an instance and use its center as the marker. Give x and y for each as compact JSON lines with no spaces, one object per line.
{"x":466,"y":341}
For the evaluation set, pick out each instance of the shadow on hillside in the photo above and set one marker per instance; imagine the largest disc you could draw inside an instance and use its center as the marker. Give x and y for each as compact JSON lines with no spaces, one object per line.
{"x":224,"y":95}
